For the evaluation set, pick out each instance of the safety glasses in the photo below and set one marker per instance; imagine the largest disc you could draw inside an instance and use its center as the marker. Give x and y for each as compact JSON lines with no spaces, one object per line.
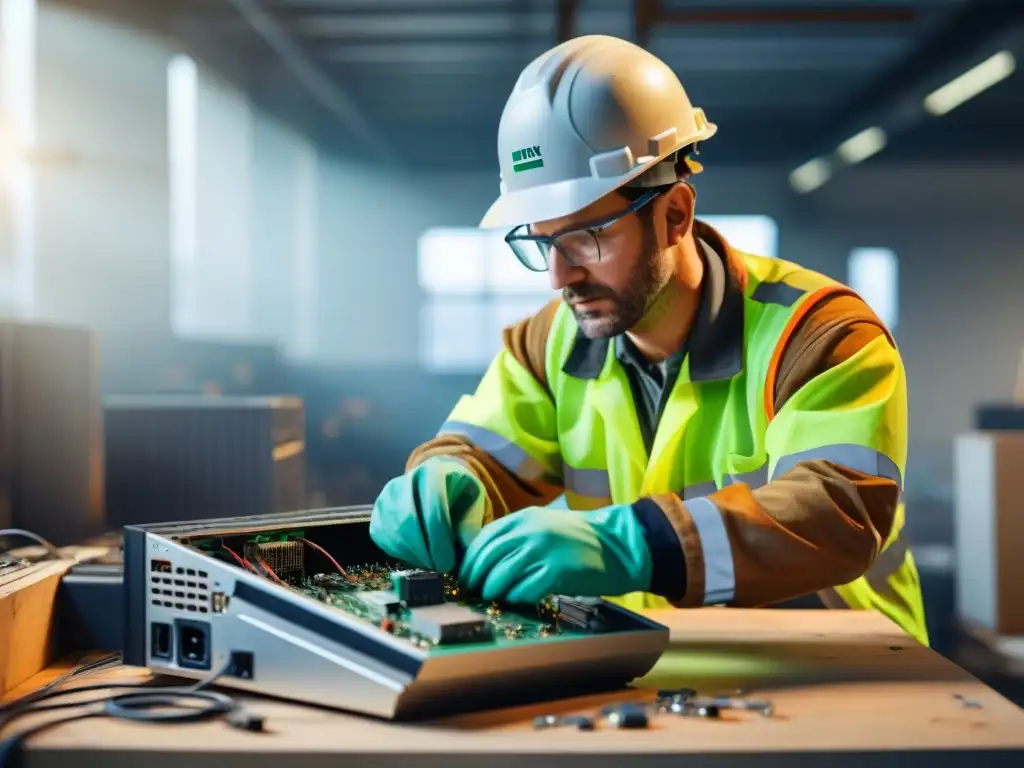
{"x":579,"y":246}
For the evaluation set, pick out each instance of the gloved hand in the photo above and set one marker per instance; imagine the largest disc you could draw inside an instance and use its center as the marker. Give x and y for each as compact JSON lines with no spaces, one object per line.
{"x":538,"y":551}
{"x":419,"y":516}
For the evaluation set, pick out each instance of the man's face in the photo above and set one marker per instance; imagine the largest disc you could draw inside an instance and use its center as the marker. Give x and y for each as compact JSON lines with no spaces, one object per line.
{"x":612,"y":295}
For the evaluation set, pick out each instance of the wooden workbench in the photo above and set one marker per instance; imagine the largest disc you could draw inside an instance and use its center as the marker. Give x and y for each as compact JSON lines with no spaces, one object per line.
{"x":28,"y":612}
{"x":849,"y":688}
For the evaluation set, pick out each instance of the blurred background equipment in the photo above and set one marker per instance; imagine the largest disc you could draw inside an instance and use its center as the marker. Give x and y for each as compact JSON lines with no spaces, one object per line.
{"x":51,"y":431}
{"x":188,"y":458}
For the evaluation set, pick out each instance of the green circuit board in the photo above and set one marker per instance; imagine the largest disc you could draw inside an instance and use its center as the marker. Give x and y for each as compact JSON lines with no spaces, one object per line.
{"x":504,"y":624}
{"x":421,"y":607}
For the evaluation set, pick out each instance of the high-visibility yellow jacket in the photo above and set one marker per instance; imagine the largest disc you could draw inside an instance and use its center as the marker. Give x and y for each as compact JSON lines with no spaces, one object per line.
{"x":777,"y":466}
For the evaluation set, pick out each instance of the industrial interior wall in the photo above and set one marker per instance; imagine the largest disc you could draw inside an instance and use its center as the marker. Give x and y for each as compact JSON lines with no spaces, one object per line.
{"x":283,"y":211}
{"x":370,"y":218}
{"x":163,"y":199}
{"x":243,"y":216}
{"x":101,"y":178}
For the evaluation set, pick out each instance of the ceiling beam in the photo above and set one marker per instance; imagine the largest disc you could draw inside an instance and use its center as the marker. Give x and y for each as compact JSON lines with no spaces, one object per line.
{"x":567,"y":19}
{"x":893,"y":103}
{"x":759,"y":14}
{"x":649,"y":14}
{"x":320,"y":86}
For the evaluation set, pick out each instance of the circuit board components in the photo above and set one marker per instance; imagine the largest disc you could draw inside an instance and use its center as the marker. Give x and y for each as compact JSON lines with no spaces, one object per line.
{"x":381,"y":602}
{"x":286,"y":559}
{"x":577,"y":613}
{"x":449,"y":623}
{"x":417,"y":588}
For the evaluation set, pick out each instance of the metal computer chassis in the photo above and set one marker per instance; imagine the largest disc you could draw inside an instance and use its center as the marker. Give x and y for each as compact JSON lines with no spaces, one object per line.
{"x":189,"y":614}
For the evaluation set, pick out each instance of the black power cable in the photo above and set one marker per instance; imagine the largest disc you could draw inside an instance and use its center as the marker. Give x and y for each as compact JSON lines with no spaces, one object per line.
{"x":144,"y":702}
{"x":9,"y":710}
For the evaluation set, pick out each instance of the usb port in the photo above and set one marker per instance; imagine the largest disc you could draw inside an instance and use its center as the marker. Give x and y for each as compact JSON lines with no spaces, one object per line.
{"x":160,"y":566}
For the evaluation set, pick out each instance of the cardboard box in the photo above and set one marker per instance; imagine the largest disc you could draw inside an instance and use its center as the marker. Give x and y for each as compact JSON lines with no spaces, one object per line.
{"x":989,"y":527}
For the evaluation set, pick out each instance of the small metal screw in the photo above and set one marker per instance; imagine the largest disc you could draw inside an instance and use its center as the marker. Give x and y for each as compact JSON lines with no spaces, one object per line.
{"x":579,"y":722}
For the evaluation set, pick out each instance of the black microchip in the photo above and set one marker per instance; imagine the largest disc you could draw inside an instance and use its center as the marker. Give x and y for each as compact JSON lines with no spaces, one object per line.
{"x":579,"y":613}
{"x":416,"y":588}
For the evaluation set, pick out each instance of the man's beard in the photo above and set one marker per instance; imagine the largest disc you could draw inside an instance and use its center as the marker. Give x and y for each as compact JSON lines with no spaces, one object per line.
{"x":628,"y":306}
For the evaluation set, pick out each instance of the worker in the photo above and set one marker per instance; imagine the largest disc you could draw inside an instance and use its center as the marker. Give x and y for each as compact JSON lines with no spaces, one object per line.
{"x":687,"y":424}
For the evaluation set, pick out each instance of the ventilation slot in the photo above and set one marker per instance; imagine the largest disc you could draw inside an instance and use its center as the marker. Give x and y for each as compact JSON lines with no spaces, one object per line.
{"x":181,"y":589}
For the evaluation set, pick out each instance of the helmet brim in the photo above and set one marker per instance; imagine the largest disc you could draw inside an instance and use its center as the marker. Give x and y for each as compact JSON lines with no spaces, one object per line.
{"x":564,"y":198}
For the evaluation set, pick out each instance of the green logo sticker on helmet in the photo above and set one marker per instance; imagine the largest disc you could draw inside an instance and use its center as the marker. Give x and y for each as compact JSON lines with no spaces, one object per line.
{"x":526,"y":159}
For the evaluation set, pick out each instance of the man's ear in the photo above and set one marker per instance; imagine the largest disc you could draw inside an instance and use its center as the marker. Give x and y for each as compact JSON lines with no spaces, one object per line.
{"x":679,"y":204}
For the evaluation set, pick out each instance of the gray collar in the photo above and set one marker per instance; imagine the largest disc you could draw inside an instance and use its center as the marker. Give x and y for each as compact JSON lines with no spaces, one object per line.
{"x":715,"y":344}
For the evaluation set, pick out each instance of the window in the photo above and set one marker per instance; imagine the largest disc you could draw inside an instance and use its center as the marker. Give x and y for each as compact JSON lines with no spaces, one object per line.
{"x":758,"y":235}
{"x":17,"y":137}
{"x":210,"y":156}
{"x":874,"y":274}
{"x":475,"y":287}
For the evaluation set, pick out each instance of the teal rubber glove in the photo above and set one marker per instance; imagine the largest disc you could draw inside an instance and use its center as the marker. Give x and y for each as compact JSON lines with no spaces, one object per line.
{"x":526,"y":556}
{"x":421,"y":516}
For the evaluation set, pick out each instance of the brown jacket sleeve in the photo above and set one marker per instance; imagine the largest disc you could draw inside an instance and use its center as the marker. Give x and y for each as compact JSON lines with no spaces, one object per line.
{"x":816,"y":526}
{"x":526,"y":341}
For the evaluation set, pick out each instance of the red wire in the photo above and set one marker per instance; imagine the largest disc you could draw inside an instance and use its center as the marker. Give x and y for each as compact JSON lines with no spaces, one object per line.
{"x":238,"y":559}
{"x":327,"y":554}
{"x":270,"y":571}
{"x":249,"y":566}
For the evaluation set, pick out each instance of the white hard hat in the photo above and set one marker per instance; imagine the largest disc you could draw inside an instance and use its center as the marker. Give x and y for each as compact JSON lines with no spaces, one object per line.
{"x":587,"y":117}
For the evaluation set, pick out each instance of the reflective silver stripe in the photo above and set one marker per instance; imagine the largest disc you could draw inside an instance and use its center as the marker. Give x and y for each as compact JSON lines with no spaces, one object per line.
{"x":697,"y":490}
{"x":886,"y":564}
{"x":783,"y":294}
{"x":504,"y":451}
{"x":719,"y":571}
{"x":586,"y":482}
{"x":858,"y":457}
{"x":755,"y":479}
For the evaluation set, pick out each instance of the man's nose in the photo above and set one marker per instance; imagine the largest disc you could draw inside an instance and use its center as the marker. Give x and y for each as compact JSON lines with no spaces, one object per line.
{"x":561,"y":272}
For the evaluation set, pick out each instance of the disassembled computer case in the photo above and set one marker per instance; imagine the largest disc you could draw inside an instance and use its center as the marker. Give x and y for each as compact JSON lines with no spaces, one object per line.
{"x":191,"y":614}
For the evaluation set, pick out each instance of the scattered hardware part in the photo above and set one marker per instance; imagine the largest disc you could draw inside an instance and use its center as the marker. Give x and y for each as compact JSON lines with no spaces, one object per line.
{"x":416,"y":588}
{"x":573,"y":612}
{"x":629,"y":715}
{"x":513,"y":631}
{"x":760,"y":706}
{"x":686,"y":702}
{"x":718,"y":703}
{"x":579,"y":722}
{"x":285,"y":558}
{"x":668,"y":696}
{"x":449,"y":623}
{"x":967,"y":703}
{"x":381,"y":602}
{"x":691,"y":709}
